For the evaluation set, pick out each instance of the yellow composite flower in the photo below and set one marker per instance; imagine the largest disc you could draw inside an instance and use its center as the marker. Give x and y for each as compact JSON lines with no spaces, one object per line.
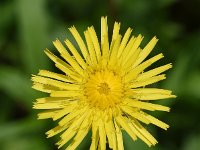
{"x":102,"y":89}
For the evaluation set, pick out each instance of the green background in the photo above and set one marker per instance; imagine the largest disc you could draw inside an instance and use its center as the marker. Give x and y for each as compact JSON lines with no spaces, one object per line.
{"x":27,"y":27}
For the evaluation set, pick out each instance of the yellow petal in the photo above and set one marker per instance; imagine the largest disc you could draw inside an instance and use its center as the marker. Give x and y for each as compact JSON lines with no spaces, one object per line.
{"x":56,"y":76}
{"x":95,"y":134}
{"x":48,"y":106}
{"x":56,"y":130}
{"x":109,"y":135}
{"x":90,"y":46}
{"x":124,"y":42}
{"x":134,"y":113}
{"x":44,"y":88}
{"x":102,"y":135}
{"x":156,"y":122}
{"x":55,"y":83}
{"x":114,"y":50}
{"x":80,"y":43}
{"x":151,"y":91}
{"x":123,"y":123}
{"x":120,"y":145}
{"x":82,"y":132}
{"x":65,"y":140}
{"x":134,"y":47}
{"x":75,"y":53}
{"x":67,"y":109}
{"x":143,"y":133}
{"x":154,"y":96}
{"x":127,"y":49}
{"x":136,"y":71}
{"x":129,"y":64}
{"x":145,"y":52}
{"x":154,"y":72}
{"x":146,"y":105}
{"x":70,"y":73}
{"x":55,"y":100}
{"x":65,"y":94}
{"x":72,"y":130}
{"x":46,"y":114}
{"x":115,"y":34}
{"x":104,"y":38}
{"x":72,"y":115}
{"x":68,"y":57}
{"x":148,"y":81}
{"x":95,"y":42}
{"x":63,"y":66}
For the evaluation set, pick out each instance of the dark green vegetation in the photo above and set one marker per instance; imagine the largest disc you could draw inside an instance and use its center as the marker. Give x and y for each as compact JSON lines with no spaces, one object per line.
{"x":27,"y":27}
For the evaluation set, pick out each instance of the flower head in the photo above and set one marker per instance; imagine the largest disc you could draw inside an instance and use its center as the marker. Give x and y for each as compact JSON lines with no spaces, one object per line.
{"x":102,"y":89}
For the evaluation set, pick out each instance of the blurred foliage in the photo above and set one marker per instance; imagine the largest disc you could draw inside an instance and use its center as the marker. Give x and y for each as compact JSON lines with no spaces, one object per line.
{"x":28,"y":27}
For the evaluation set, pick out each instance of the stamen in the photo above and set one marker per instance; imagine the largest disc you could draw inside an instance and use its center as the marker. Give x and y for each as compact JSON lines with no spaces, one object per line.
{"x":103,"y":88}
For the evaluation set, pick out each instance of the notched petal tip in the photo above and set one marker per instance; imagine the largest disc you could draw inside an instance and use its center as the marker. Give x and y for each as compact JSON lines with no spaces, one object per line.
{"x":173,"y":96}
{"x":104,"y":17}
{"x":55,"y":42}
{"x":155,"y":38}
{"x":72,"y":27}
{"x":47,"y":52}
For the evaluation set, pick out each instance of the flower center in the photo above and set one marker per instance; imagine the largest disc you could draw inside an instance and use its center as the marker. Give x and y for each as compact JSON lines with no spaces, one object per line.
{"x":103,"y":89}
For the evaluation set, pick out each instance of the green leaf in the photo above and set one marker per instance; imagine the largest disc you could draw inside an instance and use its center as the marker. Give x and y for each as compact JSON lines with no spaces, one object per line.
{"x":24,"y":143}
{"x":17,"y":85}
{"x":193,"y":85}
{"x":19,"y":127}
{"x":33,"y":33}
{"x":192,"y":143}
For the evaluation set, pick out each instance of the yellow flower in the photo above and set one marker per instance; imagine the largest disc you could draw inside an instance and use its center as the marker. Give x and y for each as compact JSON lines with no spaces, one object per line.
{"x":102,"y":89}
